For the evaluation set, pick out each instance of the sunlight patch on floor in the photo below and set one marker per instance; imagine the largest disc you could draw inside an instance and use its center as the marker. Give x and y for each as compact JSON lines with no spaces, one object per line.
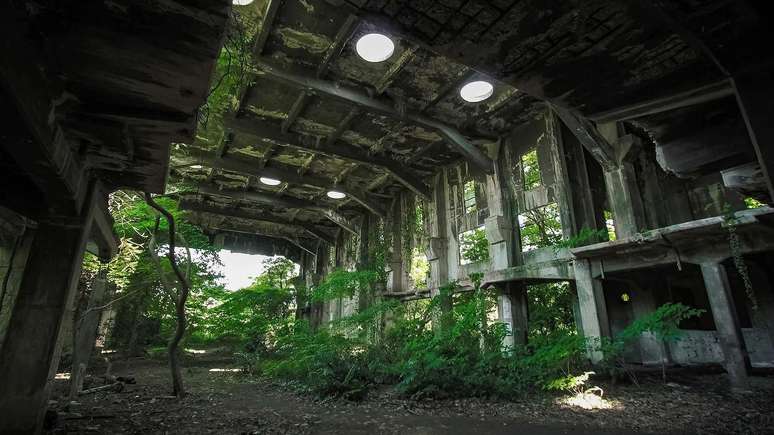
{"x":588,"y":401}
{"x":62,"y":376}
{"x":196,"y":351}
{"x":226,"y":370}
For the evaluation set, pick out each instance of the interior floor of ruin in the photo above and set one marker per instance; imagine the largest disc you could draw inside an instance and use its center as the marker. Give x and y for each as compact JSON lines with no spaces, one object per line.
{"x":224,"y":400}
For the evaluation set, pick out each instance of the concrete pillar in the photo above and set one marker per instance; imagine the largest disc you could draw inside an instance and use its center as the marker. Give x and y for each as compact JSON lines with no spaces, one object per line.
{"x":593,"y":310}
{"x":737,"y":362}
{"x":652,"y":350}
{"x":86,"y":331}
{"x":503,"y":238}
{"x":576,"y":313}
{"x":500,"y":234}
{"x":561,"y":176}
{"x":397,"y":281}
{"x":31,"y":350}
{"x":512,"y":309}
{"x":438,"y":247}
{"x":625,"y":202}
{"x":623,"y":192}
{"x":14,"y":260}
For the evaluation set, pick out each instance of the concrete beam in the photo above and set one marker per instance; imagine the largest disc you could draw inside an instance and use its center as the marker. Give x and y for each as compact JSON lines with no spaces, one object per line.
{"x":286,"y":175}
{"x":700,"y":95}
{"x":266,"y":130}
{"x":198,"y":206}
{"x":588,"y":136}
{"x":281,"y":201}
{"x":102,"y":232}
{"x":342,"y":37}
{"x":350,"y":96}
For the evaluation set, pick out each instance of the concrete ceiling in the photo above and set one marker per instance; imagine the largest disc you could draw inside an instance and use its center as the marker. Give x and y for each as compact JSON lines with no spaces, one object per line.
{"x":318,"y":117}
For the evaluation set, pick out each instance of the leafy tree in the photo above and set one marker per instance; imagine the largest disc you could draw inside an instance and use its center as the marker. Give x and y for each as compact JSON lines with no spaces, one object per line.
{"x":474,"y":246}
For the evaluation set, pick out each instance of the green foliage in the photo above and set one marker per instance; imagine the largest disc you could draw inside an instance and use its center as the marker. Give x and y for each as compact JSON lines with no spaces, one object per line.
{"x":540,"y":227}
{"x":144,"y":304}
{"x":586,"y":236}
{"x":663,"y":323}
{"x":550,"y":309}
{"x":461,"y":355}
{"x":753,"y":203}
{"x":474,"y":246}
{"x":420,"y":269}
{"x":531,"y":170}
{"x":341,"y":283}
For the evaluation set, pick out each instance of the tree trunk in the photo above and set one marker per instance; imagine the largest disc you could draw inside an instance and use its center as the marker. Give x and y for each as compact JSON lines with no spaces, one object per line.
{"x":172,"y":348}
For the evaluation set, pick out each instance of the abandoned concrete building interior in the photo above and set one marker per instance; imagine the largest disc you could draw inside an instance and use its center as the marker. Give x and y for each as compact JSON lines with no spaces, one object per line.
{"x":615,"y":146}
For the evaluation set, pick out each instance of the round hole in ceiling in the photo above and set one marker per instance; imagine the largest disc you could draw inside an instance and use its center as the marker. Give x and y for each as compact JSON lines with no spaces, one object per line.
{"x":375,"y":47}
{"x":477,"y":91}
{"x":334,"y":194}
{"x":269,"y":181}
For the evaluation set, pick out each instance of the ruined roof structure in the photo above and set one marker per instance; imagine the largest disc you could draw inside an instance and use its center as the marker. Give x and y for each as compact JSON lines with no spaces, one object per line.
{"x":644,"y":122}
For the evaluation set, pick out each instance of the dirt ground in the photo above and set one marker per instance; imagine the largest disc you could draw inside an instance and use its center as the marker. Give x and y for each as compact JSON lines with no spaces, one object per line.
{"x":223,"y":400}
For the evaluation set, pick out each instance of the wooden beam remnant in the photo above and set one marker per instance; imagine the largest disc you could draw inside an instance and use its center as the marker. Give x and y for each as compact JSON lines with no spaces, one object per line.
{"x":282,"y":201}
{"x":267,"y":130}
{"x":380,"y":106}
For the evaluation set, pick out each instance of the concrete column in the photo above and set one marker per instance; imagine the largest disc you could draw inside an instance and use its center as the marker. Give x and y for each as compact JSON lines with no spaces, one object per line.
{"x":652,"y":350}
{"x":500,"y":233}
{"x":503,"y":240}
{"x":439,"y":268}
{"x":624,"y":198}
{"x":512,"y":309}
{"x":737,"y":362}
{"x":576,"y":313}
{"x":397,"y":281}
{"x":15,"y":258}
{"x":593,"y":309}
{"x":31,"y":351}
{"x":438,"y":247}
{"x":561,"y":175}
{"x":623,"y":193}
{"x":86,"y":331}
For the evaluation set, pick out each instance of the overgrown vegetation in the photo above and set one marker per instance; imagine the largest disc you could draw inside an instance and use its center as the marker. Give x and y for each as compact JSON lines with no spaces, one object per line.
{"x":474,"y":246}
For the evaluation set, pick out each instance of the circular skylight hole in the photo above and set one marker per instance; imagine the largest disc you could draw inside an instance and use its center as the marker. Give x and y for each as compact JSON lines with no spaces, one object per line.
{"x":242,"y":2}
{"x":375,"y":47}
{"x":474,"y":92}
{"x":269,"y":181}
{"x":334,"y":194}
